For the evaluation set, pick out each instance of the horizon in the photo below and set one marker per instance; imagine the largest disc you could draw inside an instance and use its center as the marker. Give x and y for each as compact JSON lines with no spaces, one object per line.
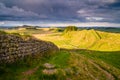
{"x":88,"y":24}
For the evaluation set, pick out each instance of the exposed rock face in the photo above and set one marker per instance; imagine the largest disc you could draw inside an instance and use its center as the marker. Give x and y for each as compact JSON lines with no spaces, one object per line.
{"x":13,"y":47}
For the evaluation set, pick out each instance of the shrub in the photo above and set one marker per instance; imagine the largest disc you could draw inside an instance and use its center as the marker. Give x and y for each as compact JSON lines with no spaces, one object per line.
{"x":70,"y":28}
{"x":2,"y":32}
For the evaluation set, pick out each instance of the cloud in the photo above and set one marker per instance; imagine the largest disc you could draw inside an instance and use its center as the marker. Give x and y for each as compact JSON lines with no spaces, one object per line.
{"x":94,"y":18}
{"x":99,"y":14}
{"x":2,"y":23}
{"x":61,"y":10}
{"x":19,"y":13}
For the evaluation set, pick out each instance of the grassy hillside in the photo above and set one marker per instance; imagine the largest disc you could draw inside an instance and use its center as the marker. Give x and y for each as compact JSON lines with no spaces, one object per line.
{"x":94,"y":40}
{"x":69,"y":64}
{"x":84,"y":39}
{"x":84,"y":55}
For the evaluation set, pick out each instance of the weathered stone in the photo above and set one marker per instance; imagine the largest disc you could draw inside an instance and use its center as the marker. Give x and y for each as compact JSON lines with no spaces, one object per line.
{"x":49,"y":66}
{"x":50,"y":71}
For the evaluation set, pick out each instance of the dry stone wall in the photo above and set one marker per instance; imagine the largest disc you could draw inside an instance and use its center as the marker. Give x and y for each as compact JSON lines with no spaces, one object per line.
{"x":13,"y":47}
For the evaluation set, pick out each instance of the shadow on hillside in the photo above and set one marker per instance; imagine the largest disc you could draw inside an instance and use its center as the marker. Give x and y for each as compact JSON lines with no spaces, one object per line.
{"x":89,"y":50}
{"x":109,"y":57}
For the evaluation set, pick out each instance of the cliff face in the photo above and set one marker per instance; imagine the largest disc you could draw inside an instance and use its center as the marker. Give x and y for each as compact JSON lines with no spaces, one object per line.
{"x":14,"y":47}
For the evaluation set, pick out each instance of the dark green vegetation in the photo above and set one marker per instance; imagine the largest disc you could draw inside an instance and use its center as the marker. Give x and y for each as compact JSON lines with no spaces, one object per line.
{"x":70,"y":28}
{"x":2,"y":32}
{"x":84,"y":55}
{"x":111,"y":58}
{"x":113,"y":30}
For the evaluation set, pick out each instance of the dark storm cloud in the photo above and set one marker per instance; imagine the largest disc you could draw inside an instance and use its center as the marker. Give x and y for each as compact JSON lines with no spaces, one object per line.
{"x":16,"y":13}
{"x":61,"y":10}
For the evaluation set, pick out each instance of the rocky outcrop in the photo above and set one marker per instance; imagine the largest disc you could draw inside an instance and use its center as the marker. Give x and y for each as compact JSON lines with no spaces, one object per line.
{"x":13,"y":47}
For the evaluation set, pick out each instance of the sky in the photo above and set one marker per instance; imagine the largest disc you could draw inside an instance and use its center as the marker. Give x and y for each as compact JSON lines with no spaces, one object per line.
{"x":101,"y":13}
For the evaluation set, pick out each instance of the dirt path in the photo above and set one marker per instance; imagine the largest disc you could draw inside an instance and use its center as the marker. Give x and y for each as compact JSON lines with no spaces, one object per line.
{"x":29,"y":72}
{"x":109,"y":76}
{"x":91,"y":75}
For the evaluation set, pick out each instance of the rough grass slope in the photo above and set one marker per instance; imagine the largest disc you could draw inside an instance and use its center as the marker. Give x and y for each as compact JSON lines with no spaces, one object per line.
{"x":94,"y":40}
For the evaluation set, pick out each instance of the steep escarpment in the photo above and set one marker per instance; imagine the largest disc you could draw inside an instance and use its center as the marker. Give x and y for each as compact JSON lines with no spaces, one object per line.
{"x":94,"y":40}
{"x":15,"y":46}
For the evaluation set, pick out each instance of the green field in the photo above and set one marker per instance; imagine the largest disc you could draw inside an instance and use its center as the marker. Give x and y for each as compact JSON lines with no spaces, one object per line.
{"x":83,"y":55}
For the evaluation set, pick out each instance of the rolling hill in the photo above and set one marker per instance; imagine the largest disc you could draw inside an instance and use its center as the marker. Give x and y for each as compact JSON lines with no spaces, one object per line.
{"x":94,"y":40}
